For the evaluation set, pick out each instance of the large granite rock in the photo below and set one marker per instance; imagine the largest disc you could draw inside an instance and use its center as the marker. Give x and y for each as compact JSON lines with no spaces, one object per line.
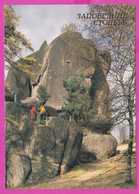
{"x":73,"y":143}
{"x":37,"y":152}
{"x":97,"y":146}
{"x":21,"y":84}
{"x":18,"y":164}
{"x":53,"y":149}
{"x":18,"y":170}
{"x":69,"y":56}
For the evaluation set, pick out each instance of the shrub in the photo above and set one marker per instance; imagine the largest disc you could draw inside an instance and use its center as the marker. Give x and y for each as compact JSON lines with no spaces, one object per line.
{"x":78,"y":99}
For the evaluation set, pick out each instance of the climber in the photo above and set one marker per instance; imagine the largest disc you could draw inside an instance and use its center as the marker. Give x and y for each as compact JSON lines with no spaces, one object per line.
{"x":43,"y":114}
{"x":33,"y":113}
{"x":15,"y":99}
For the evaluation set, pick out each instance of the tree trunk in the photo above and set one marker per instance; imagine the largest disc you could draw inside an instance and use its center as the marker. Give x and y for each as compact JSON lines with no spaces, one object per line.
{"x":130,"y":145}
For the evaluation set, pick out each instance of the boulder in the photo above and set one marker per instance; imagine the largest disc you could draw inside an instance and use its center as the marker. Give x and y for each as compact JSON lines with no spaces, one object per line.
{"x":18,"y":170}
{"x":18,"y":164}
{"x":97,"y":146}
{"x":35,"y":152}
{"x":19,"y":82}
{"x":15,"y":111}
{"x":53,"y":149}
{"x":73,"y":144}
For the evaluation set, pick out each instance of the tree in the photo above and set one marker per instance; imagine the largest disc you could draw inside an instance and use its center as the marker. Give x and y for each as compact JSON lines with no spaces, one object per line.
{"x":14,"y":43}
{"x":72,"y":27}
{"x":67,"y":32}
{"x":120,"y":41}
{"x":42,"y":94}
{"x":78,"y":102}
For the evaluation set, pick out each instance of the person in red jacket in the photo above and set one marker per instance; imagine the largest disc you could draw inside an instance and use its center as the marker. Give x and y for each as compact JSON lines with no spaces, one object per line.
{"x":33,"y":113}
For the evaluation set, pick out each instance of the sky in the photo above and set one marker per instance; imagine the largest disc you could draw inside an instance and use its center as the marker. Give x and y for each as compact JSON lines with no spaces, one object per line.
{"x":43,"y":22}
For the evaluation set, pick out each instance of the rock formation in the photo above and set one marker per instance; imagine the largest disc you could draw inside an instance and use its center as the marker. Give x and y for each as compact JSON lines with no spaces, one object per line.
{"x":63,"y":59}
{"x":54,"y":148}
{"x":37,"y":152}
{"x":97,"y":146}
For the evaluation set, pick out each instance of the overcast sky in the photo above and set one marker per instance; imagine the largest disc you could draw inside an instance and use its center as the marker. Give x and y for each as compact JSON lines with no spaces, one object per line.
{"x":43,"y":22}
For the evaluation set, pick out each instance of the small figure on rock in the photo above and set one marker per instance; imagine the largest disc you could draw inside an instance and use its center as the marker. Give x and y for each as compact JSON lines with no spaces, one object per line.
{"x":43,"y":114}
{"x":33,"y":113}
{"x":15,"y":98}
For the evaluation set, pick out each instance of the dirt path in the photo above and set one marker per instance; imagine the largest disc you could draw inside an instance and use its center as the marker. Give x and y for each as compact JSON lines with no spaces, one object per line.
{"x":108,"y":174}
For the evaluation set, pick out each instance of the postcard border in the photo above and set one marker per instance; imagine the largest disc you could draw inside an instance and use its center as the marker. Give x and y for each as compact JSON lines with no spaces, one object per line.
{"x":2,"y":108}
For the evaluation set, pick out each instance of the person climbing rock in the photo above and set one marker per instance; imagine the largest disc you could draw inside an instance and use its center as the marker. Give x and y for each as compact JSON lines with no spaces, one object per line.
{"x":15,"y":98}
{"x":43,"y":114}
{"x":33,"y":113}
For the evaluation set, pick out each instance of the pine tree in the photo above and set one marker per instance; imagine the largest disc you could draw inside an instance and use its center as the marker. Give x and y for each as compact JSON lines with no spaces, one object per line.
{"x":78,"y":100}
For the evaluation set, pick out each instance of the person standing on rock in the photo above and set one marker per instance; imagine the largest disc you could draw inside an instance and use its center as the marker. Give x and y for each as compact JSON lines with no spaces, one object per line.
{"x":15,"y":99}
{"x":33,"y":113}
{"x":43,"y":113}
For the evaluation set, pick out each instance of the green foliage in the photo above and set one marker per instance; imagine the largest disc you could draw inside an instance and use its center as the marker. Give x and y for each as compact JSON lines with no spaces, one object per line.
{"x":14,"y":43}
{"x":42,"y":94}
{"x":78,"y":100}
{"x":38,"y":117}
{"x":73,"y":86}
{"x":69,"y":28}
{"x":14,"y":40}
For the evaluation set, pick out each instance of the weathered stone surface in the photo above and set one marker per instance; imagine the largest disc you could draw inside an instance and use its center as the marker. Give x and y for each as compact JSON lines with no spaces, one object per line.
{"x":53,"y":149}
{"x":37,"y":152}
{"x":18,"y":164}
{"x":68,"y":57}
{"x":73,"y":144}
{"x":72,"y":149}
{"x":41,"y":148}
{"x":30,"y":102}
{"x":97,"y":146}
{"x":18,"y":170}
{"x":62,"y":62}
{"x":19,"y":83}
{"x":8,"y":95}
{"x":15,"y":111}
{"x":99,"y":92}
